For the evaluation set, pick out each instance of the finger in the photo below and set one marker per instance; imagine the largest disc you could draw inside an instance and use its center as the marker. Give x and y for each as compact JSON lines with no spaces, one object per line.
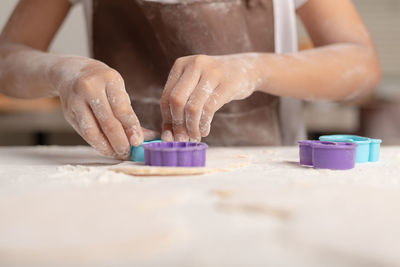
{"x":121,"y":107}
{"x":110,"y":125}
{"x":150,"y":134}
{"x":167,"y":135}
{"x":216,"y":100}
{"x":178,"y":99}
{"x":194,"y":107}
{"x":87,"y":127}
{"x":173,"y":78}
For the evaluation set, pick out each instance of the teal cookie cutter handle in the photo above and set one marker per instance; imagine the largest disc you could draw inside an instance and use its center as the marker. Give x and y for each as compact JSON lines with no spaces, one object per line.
{"x":137,"y":152}
{"x":368,"y":149}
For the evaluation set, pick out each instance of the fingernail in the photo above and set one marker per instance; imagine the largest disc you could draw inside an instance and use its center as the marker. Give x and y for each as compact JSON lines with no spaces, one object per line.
{"x":135,"y":141}
{"x":124,"y":151}
{"x":208,"y":130}
{"x":120,"y":157}
{"x":150,"y":135}
{"x":136,"y":138}
{"x":125,"y":154}
{"x":181,"y":138}
{"x":195,"y":140}
{"x":167,"y":136}
{"x":205,"y":130}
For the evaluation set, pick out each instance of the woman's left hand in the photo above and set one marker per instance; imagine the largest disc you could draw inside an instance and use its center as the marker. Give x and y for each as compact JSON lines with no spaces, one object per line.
{"x":200,"y":85}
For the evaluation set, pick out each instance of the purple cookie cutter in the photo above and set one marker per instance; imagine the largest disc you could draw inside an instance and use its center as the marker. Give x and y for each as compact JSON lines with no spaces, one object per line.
{"x":175,"y":154}
{"x":328,"y":155}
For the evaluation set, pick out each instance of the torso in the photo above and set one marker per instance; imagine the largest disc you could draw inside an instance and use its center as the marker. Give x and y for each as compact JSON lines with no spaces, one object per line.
{"x":142,"y":39}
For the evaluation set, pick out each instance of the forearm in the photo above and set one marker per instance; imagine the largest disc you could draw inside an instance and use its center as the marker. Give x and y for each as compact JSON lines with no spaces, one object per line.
{"x":24,"y":71}
{"x":30,"y":73}
{"x":334,"y":72}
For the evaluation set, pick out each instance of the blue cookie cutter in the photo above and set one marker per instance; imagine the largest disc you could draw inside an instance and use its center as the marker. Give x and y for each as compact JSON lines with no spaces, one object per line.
{"x":137,"y":152}
{"x":368,"y":149}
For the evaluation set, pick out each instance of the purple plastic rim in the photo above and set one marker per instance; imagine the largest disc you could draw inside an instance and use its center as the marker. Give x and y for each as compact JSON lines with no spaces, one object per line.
{"x":306,"y":151}
{"x":327,"y":155}
{"x":334,"y":155}
{"x":175,"y":154}
{"x":334,"y":145}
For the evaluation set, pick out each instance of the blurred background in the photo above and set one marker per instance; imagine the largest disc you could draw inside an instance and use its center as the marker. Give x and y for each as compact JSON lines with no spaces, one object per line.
{"x":40,"y":122}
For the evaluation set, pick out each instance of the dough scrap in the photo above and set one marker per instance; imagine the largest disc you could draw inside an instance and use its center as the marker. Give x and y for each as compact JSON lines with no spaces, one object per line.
{"x":173,"y":171}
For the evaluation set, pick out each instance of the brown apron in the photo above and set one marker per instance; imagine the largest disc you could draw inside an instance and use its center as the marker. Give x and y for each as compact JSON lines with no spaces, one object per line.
{"x":142,"y":38}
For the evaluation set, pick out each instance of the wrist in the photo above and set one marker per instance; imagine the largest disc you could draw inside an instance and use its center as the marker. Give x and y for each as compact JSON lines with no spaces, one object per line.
{"x":64,"y":71}
{"x":260,"y":74}
{"x":256,"y":69}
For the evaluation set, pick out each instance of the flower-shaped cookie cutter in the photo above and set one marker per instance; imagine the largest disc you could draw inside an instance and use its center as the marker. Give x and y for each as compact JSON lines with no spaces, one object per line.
{"x":175,"y":154}
{"x":328,"y":155}
{"x":368,"y":149}
{"x":137,"y":152}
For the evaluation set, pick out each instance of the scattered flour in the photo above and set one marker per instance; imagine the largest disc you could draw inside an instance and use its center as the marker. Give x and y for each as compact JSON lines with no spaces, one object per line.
{"x":84,"y":175}
{"x":345,"y":218}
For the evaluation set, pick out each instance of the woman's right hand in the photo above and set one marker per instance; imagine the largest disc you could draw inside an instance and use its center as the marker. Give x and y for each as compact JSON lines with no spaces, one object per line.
{"x":96,"y":104}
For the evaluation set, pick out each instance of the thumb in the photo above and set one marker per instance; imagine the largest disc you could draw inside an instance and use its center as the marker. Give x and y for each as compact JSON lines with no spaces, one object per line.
{"x":150,"y":134}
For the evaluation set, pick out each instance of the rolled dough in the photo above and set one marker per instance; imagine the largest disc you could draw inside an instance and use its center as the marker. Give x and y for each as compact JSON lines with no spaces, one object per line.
{"x":218,"y":160}
{"x":173,"y":171}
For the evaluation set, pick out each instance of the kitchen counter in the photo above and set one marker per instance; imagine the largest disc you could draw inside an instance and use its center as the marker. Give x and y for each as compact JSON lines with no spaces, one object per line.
{"x":64,"y":206}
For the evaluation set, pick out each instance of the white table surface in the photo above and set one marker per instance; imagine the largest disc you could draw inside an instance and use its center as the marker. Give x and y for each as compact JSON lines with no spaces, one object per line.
{"x":60,"y":206}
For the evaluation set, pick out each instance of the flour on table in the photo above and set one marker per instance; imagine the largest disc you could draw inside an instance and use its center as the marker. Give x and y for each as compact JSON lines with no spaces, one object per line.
{"x":87,"y":175}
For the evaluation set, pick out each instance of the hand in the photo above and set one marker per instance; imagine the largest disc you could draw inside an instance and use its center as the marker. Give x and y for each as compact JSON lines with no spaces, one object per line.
{"x":200,"y":85}
{"x":96,"y":104}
